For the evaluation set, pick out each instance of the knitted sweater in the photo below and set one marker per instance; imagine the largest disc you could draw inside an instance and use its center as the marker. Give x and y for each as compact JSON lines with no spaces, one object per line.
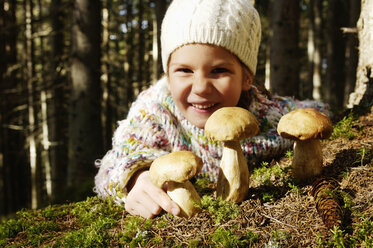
{"x":154,"y":127}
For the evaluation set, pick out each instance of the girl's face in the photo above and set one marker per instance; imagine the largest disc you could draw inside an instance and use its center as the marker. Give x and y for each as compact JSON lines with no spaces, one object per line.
{"x":204,"y":78}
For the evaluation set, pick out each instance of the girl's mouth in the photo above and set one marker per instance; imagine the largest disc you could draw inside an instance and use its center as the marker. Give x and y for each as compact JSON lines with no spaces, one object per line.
{"x":203,"y":107}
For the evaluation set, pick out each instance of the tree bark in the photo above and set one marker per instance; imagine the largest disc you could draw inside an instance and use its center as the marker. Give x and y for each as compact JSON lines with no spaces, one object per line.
{"x":128,"y":67}
{"x":363,"y":93}
{"x":336,"y":46}
{"x":29,"y":73}
{"x":14,"y":194}
{"x":317,"y":66}
{"x":352,"y":55}
{"x":106,"y":76}
{"x":140,"y":46}
{"x":85,"y":132}
{"x":160,"y":10}
{"x":57,"y":112}
{"x":284,"y":48}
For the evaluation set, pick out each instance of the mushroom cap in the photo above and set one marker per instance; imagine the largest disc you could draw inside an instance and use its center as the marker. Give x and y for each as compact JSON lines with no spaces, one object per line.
{"x":177,"y":167}
{"x":231,"y":124}
{"x":304,"y":124}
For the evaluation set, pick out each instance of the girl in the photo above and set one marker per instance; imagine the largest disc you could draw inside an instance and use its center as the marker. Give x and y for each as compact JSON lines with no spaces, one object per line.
{"x":209,"y":55}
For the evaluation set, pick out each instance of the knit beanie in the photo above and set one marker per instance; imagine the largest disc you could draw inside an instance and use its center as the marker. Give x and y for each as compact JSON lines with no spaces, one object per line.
{"x":231,"y":24}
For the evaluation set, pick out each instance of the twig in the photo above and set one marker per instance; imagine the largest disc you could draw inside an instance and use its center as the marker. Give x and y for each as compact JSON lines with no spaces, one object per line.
{"x":269,"y":217}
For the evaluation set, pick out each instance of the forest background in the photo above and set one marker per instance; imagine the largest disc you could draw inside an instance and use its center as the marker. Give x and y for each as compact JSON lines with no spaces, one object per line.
{"x":69,"y":70}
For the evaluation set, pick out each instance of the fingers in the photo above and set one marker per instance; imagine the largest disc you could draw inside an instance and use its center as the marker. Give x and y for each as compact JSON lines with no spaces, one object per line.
{"x":164,"y":201}
{"x":147,"y":200}
{"x":139,"y":203}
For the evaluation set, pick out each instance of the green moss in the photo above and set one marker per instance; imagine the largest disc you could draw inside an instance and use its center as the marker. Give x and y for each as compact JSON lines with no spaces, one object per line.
{"x":219,"y":209}
{"x":95,"y":235}
{"x":227,"y":238}
{"x":136,"y":231}
{"x":344,"y":128}
{"x":10,"y":228}
{"x":266,"y":175}
{"x":93,"y":208}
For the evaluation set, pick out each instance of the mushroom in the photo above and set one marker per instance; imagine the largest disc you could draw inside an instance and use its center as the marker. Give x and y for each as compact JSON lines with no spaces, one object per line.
{"x":306,"y":127}
{"x":176,"y":169}
{"x":230,"y":125}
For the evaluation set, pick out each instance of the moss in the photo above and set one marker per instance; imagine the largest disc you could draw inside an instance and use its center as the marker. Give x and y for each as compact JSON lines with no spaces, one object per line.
{"x":227,"y":238}
{"x":266,"y":175}
{"x":219,"y":209}
{"x":344,"y":128}
{"x":136,"y":231}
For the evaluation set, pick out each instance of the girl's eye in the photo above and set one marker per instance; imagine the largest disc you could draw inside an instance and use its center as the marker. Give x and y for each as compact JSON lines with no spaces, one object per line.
{"x":184,"y":70}
{"x":219,"y":70}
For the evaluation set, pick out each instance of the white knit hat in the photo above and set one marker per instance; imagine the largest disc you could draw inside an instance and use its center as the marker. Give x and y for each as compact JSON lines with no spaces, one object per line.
{"x":231,"y":24}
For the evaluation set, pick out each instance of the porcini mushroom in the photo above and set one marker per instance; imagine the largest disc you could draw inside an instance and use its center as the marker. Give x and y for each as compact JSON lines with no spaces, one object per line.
{"x":230,"y":125}
{"x":176,"y":169}
{"x":306,"y":127}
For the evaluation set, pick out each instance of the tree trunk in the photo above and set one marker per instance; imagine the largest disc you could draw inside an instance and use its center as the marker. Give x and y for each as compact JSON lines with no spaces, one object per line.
{"x":128,"y":67}
{"x":14,"y":194}
{"x":352,"y":55}
{"x":57,"y":111}
{"x":317,"y":66}
{"x":141,"y":45}
{"x":363,"y":94}
{"x":160,"y":10}
{"x":85,"y":132}
{"x":307,"y":86}
{"x":284,"y":48}
{"x":106,"y":76}
{"x":336,"y":45}
{"x":29,"y":73}
{"x":44,"y":174}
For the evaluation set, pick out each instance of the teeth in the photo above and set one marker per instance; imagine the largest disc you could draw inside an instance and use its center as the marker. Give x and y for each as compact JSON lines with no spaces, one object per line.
{"x":203,"y":106}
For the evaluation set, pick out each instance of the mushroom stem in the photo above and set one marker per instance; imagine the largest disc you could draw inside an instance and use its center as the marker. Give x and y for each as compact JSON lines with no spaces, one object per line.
{"x":186,"y":196}
{"x":307,"y":160}
{"x":233,"y":179}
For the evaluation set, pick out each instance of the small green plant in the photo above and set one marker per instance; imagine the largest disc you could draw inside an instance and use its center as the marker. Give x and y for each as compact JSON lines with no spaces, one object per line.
{"x":289,"y":154}
{"x":344,"y":128}
{"x":363,"y":153}
{"x":278,"y":239}
{"x":294,"y":188}
{"x":265,"y":174}
{"x":338,"y":238}
{"x":202,"y":184}
{"x":220,"y":209}
{"x":268,"y":197}
{"x":364,"y":232}
{"x":227,"y":238}
{"x":136,"y":231}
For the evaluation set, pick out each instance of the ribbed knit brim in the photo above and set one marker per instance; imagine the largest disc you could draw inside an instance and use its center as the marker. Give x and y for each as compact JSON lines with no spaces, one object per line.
{"x":231,"y":24}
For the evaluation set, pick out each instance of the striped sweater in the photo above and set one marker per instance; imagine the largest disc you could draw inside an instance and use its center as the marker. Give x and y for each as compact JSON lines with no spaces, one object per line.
{"x":154,"y":127}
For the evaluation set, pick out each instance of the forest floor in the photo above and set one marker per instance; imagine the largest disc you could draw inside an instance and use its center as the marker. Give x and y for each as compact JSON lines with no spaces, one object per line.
{"x":278,"y":212}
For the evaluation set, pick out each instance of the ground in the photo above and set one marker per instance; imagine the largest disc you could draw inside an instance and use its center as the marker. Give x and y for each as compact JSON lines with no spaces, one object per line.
{"x":278,"y":212}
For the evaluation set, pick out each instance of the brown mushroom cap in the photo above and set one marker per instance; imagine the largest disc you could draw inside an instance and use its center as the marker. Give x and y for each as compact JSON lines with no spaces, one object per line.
{"x":231,"y":124}
{"x":304,"y":124}
{"x":177,"y":167}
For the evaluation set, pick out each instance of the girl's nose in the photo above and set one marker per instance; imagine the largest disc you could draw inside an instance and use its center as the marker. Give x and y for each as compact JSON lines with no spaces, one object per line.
{"x":201,"y":85}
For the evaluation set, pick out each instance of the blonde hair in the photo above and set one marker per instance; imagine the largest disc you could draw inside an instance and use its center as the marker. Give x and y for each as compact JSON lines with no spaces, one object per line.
{"x":245,"y":98}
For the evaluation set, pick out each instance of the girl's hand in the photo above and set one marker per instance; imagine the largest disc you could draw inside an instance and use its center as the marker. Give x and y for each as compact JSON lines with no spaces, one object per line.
{"x":147,"y":200}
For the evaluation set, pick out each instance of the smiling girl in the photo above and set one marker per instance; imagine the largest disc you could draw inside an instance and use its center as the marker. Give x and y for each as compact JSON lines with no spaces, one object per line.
{"x":209,"y":55}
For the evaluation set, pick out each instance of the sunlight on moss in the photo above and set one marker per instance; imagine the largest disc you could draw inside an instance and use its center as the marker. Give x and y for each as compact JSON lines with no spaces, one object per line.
{"x":344,"y":128}
{"x":227,"y":238}
{"x":219,"y":209}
